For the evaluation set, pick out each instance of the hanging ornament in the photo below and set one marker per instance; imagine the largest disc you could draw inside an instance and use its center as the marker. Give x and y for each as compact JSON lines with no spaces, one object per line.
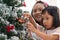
{"x":24,"y":4}
{"x":21,"y":20}
{"x":9,"y":28}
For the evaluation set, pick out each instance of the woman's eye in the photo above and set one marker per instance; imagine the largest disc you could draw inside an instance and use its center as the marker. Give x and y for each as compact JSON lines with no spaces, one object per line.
{"x":47,"y":18}
{"x":43,"y":18}
{"x":40,"y":9}
{"x":34,"y":10}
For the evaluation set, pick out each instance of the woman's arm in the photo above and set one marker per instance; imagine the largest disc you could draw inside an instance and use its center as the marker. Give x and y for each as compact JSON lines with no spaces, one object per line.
{"x":31,"y":19}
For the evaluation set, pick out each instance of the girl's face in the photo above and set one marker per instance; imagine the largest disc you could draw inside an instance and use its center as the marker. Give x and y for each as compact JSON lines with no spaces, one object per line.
{"x":37,"y":10}
{"x":47,"y":20}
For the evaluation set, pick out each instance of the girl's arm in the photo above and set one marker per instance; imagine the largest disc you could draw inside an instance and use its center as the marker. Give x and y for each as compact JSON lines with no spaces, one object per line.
{"x":41,"y":34}
{"x":45,"y":36}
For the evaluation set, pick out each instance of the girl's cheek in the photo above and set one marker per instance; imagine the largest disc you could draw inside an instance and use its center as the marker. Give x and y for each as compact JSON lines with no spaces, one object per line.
{"x":44,"y":22}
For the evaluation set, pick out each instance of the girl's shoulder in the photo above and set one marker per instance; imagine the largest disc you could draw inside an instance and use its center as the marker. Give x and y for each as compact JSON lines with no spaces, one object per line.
{"x":53,"y":31}
{"x":57,"y":29}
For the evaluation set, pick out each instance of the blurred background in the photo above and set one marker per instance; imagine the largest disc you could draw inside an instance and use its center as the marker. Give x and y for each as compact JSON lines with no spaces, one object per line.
{"x":30,"y":3}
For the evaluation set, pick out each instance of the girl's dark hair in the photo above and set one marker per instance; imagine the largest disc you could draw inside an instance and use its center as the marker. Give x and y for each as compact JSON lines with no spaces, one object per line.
{"x":53,"y":11}
{"x":32,"y":10}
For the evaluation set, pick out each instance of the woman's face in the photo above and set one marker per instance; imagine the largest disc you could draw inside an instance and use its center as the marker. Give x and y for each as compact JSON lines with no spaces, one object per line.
{"x":37,"y":10}
{"x":47,"y":20}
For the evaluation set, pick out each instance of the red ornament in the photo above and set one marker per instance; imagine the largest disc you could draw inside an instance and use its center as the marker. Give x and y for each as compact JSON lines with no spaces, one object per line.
{"x":24,"y":4}
{"x":12,"y":27}
{"x":9,"y":28}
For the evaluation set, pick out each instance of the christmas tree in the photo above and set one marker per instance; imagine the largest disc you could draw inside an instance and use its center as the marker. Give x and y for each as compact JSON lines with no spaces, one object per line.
{"x":10,"y":26}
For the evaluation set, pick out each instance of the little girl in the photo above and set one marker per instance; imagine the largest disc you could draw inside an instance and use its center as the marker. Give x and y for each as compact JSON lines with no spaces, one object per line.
{"x":51,"y":23}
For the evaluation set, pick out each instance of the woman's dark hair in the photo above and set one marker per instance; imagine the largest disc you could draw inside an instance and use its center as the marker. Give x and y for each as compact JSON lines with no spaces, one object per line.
{"x":41,"y":3}
{"x":53,"y":11}
{"x":44,"y":6}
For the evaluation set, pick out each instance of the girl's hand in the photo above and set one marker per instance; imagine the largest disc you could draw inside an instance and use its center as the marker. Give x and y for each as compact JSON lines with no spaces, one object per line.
{"x":31,"y":27}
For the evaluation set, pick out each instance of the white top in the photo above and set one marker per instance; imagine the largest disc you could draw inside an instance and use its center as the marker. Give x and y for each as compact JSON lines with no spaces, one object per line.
{"x":34,"y":36}
{"x":48,"y":32}
{"x":54,"y":31}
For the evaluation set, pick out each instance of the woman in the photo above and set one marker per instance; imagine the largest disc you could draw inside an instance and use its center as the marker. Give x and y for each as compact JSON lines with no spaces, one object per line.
{"x":36,"y":18}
